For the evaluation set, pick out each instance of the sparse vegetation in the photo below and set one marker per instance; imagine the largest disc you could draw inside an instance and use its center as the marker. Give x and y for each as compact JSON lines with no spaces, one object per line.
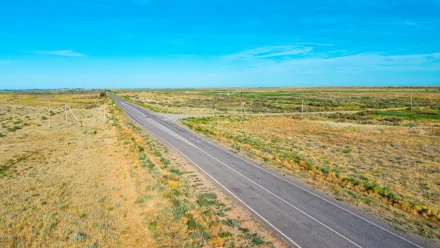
{"x":280,"y":100}
{"x":376,"y":166}
{"x":101,"y":185}
{"x":192,"y":215}
{"x":381,"y":156}
{"x":13,"y":128}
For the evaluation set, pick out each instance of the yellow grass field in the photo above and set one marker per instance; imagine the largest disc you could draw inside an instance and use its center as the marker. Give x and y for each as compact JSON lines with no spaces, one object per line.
{"x":105,"y":184}
{"x":391,"y":170}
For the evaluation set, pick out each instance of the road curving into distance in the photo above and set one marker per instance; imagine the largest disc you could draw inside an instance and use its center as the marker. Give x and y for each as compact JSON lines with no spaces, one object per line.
{"x":297,"y":214}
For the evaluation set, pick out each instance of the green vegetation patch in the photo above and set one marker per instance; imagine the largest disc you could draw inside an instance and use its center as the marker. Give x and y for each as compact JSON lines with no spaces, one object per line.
{"x":415,"y":114}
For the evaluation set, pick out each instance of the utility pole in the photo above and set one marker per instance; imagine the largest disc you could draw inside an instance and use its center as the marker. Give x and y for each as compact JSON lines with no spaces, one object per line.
{"x":105,"y":117}
{"x":411,"y":103}
{"x":302,"y":106}
{"x":243,"y":110}
{"x":49,"y":113}
{"x":241,"y":103}
{"x":65,"y":110}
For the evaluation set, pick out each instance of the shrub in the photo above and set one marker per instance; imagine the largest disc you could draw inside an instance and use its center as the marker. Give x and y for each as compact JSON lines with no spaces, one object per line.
{"x":207,"y":199}
{"x":347,"y":150}
{"x":176,"y":171}
{"x":325,"y":170}
{"x":353,"y":194}
{"x":14,"y":128}
{"x":77,"y":237}
{"x":198,"y":235}
{"x":255,"y":238}
{"x":225,"y":234}
{"x":153,"y":225}
{"x":142,"y":156}
{"x":231,"y":223}
{"x":164,"y":161}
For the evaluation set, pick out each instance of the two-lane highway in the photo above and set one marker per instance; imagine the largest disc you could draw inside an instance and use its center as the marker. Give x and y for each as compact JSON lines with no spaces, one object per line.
{"x":298,"y":215}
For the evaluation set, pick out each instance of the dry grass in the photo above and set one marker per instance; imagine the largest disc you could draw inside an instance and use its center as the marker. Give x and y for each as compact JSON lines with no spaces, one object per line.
{"x":181,"y":207}
{"x":61,"y":194}
{"x":280,"y":100}
{"x":392,"y":170}
{"x":103,"y":184}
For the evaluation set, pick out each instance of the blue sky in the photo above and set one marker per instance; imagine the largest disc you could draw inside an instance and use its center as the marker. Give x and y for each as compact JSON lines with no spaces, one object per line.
{"x":218,"y":43}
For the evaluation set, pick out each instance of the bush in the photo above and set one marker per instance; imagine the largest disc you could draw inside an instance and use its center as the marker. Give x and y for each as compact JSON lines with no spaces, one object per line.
{"x":164,"y":161}
{"x":77,"y":237}
{"x":14,"y":128}
{"x":176,"y":171}
{"x":231,"y":223}
{"x":207,"y":199}
{"x":225,"y":234}
{"x":255,"y":238}
{"x":142,"y":156}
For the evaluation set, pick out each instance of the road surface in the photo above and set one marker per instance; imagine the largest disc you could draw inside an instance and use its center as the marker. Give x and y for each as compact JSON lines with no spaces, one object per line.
{"x":300,"y":216}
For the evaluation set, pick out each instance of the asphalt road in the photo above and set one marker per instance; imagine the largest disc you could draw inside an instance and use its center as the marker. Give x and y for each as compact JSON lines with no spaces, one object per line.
{"x":300,"y":216}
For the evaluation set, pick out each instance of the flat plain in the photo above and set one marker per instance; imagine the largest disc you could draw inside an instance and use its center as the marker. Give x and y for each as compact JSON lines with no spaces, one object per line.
{"x":104,"y":184}
{"x":382,"y":156}
{"x":279,"y":100}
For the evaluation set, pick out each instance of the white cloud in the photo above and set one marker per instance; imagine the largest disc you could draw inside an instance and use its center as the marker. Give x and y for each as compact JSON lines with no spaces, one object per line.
{"x":302,"y":59}
{"x":361,"y":63}
{"x":270,"y":52}
{"x":65,"y":53}
{"x":6,"y":62}
{"x":316,"y":44}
